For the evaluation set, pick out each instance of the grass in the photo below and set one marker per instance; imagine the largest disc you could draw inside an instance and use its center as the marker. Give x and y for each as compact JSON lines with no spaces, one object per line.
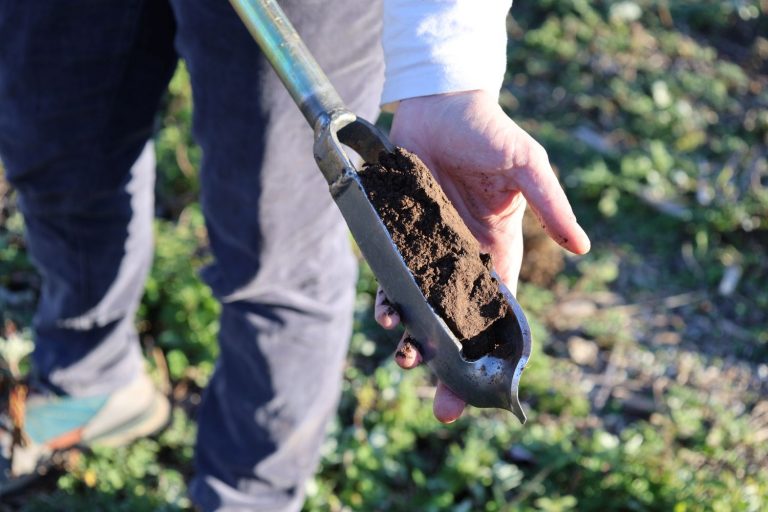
{"x":648,"y":386}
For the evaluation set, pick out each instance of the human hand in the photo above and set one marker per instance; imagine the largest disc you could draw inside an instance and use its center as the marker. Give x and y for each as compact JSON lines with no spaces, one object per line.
{"x":489,"y":168}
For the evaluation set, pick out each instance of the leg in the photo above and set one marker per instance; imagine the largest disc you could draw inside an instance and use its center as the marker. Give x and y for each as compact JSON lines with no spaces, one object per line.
{"x":283,"y":268}
{"x":80,"y":82}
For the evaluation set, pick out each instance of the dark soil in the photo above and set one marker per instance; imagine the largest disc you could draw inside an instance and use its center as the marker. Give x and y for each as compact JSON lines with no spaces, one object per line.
{"x":438,"y":248}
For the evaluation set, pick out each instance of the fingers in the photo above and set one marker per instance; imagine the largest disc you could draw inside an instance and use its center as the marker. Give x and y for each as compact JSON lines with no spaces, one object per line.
{"x":507,"y":252}
{"x":407,"y":355}
{"x":546,"y":197}
{"x":447,"y":407}
{"x":542,"y":190}
{"x":383,"y":312}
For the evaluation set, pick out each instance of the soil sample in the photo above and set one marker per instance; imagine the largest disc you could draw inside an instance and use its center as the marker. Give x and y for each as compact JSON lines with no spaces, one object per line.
{"x":437,"y":247}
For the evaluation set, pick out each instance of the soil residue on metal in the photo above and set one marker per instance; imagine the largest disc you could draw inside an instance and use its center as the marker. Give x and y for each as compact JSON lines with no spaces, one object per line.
{"x":443,"y":256}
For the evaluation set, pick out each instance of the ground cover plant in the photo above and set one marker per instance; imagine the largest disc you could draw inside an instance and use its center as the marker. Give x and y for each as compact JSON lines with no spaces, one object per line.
{"x":648,"y":385}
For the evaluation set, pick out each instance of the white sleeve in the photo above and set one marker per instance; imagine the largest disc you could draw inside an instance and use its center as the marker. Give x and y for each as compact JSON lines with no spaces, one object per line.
{"x":438,"y":46}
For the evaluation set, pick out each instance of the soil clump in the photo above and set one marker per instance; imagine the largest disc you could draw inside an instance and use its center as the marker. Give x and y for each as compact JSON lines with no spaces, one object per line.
{"x":443,"y":256}
{"x":543,"y":259}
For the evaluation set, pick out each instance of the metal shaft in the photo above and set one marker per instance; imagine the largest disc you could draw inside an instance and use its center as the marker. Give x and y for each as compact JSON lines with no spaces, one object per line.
{"x":289,"y":56}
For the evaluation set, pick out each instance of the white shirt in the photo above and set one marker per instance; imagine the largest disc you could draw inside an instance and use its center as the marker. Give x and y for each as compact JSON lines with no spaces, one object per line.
{"x":439,"y":46}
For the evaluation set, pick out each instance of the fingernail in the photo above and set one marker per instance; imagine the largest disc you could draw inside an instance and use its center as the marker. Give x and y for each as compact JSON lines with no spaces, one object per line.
{"x":586,"y":243}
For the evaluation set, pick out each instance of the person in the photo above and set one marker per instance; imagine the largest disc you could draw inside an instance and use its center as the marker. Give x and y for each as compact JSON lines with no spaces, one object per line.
{"x":80,"y":86}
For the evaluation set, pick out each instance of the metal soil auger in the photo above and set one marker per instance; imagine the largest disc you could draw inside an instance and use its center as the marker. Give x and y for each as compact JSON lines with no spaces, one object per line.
{"x":490,"y":381}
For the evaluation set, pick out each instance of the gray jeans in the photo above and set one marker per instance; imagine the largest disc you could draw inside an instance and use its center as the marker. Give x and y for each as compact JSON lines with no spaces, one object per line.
{"x":80,"y":85}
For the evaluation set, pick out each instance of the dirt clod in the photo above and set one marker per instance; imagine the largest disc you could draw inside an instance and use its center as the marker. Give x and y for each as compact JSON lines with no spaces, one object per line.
{"x":543,"y":259}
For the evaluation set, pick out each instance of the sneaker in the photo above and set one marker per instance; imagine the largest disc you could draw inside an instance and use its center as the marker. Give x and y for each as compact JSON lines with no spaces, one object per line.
{"x":53,"y":424}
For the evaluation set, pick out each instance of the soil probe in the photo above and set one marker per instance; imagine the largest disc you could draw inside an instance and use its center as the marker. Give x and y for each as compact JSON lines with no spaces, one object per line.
{"x":490,"y":381}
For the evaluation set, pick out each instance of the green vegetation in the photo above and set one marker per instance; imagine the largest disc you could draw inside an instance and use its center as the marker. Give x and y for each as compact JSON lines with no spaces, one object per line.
{"x":648,"y":386}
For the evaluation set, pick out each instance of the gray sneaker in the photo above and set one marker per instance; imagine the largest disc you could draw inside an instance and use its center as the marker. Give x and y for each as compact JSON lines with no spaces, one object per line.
{"x":52,"y":424}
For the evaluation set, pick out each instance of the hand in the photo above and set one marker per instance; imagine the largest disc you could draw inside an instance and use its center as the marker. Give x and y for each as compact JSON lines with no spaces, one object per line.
{"x":489,"y":168}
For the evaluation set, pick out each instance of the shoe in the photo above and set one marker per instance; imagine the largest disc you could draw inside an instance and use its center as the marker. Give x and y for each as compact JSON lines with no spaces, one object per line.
{"x":53,"y":424}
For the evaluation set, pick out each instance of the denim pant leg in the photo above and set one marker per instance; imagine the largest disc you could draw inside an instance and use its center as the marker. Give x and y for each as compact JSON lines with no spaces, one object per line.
{"x":283,"y":268}
{"x":80,"y":82}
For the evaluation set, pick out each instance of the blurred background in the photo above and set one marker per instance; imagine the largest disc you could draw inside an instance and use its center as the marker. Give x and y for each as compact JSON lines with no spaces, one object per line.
{"x":648,"y":386}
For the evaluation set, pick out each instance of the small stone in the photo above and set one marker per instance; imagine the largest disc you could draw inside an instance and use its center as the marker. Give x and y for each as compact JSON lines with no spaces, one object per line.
{"x":570,"y":314}
{"x":667,"y":338}
{"x":582,"y":351}
{"x":730,"y":280}
{"x":577,"y":308}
